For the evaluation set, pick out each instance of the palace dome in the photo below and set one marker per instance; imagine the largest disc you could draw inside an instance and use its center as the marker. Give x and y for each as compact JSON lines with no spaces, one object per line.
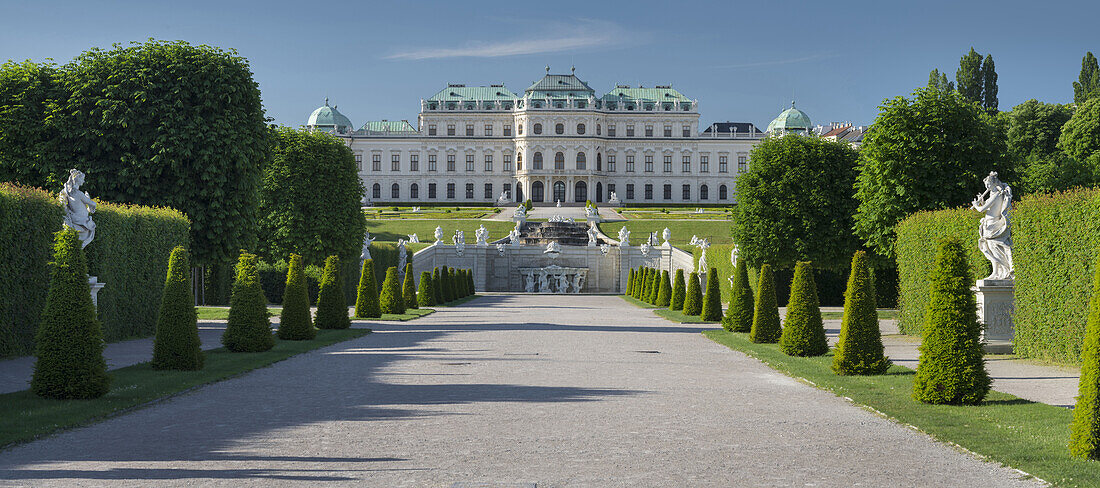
{"x":791,"y":120}
{"x":326,"y":117}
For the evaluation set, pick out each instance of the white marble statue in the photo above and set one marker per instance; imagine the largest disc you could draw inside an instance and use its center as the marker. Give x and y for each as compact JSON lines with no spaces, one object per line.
{"x":414,"y":239}
{"x":552,"y":248}
{"x":578,"y":282}
{"x":994,"y":232}
{"x":416,"y":210}
{"x":500,"y":249}
{"x":78,"y":208}
{"x":614,"y":200}
{"x":402,"y":256}
{"x":703,"y":244}
{"x":644,"y":248}
{"x":529,"y":287}
{"x":502,"y":200}
{"x":544,"y":282}
{"x":481,"y":234}
{"x":563,"y":283}
{"x":605,"y":248}
{"x":591,"y":213}
{"x":520,"y":212}
{"x":592,"y":236}
{"x":557,"y":203}
{"x":698,"y":210}
{"x":459,"y":240}
{"x":514,"y":239}
{"x":666,"y":235}
{"x":733,"y":254}
{"x":653,"y":242}
{"x":439,"y":235}
{"x":624,"y":236}
{"x":366,"y":246}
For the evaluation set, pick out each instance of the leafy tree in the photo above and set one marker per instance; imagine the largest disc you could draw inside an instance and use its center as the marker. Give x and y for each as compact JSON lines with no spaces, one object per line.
{"x":408,"y":288}
{"x":391,"y":299}
{"x":925,"y":153}
{"x":765,"y":319}
{"x":248,"y":328}
{"x":366,"y":301}
{"x":30,"y":151}
{"x":176,"y":344}
{"x":795,"y":202}
{"x":938,"y":81}
{"x":989,"y":85}
{"x":425,"y":295}
{"x":1088,"y":82}
{"x":693,"y":299}
{"x":1085,"y":428}
{"x":677,"y":300}
{"x":1053,"y":173}
{"x":712,"y":301}
{"x":859,"y":348}
{"x":664,"y":292}
{"x":803,"y":330}
{"x":332,"y":308}
{"x":295,"y":322}
{"x":739,"y":314}
{"x":1034,"y":128}
{"x":968,"y":78}
{"x":68,"y":350}
{"x":1080,"y":137}
{"x":309,"y":198}
{"x":951,"y":369}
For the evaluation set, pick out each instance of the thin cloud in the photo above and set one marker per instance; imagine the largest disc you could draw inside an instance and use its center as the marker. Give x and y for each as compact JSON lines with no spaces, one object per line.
{"x":778,"y":62}
{"x":591,"y":34}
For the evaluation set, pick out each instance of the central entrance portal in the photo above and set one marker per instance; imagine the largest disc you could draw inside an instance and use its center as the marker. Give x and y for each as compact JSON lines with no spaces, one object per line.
{"x":559,"y":191}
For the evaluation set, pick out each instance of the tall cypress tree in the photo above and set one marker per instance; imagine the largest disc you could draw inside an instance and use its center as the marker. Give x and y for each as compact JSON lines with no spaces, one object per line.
{"x":939,"y":81}
{"x":968,"y":78}
{"x":989,"y":85}
{"x":1088,"y":82}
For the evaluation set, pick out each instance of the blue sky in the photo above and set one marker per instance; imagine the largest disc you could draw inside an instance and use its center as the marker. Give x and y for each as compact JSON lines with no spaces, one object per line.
{"x":743,"y":61}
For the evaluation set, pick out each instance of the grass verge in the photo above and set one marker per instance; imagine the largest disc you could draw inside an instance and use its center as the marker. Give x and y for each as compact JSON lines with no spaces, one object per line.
{"x":716,"y":230}
{"x":222,"y":313}
{"x":1025,"y":435}
{"x":392,"y":230}
{"x":883,"y":314}
{"x":678,"y":316}
{"x":25,"y":416}
{"x":410,"y":314}
{"x":634,"y":301}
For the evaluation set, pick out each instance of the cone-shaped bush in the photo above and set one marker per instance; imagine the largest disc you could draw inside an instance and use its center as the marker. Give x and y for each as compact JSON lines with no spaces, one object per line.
{"x":470,"y":282}
{"x":676,"y":302}
{"x":765,"y":317}
{"x":712,"y":302}
{"x":177,"y":345}
{"x":437,"y":287}
{"x":640,"y":286}
{"x":332,"y":307}
{"x":68,"y":349}
{"x":247,"y":329}
{"x":448,"y":284}
{"x":463,"y":284}
{"x":859,"y":348}
{"x":390,"y":298}
{"x":637,"y":282}
{"x":1084,"y":439}
{"x":739,"y":314}
{"x":803,"y":331}
{"x":425,"y":293}
{"x":366,"y":301}
{"x":408,"y":289}
{"x":643,"y":287}
{"x":295,"y":322}
{"x":664,"y":293}
{"x":629,"y":282}
{"x":654,"y":287}
{"x":951,"y":369}
{"x":693,"y":297}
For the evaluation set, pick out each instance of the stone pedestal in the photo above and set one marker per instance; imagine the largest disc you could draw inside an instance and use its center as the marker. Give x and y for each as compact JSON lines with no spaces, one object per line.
{"x":996,"y":304}
{"x":95,"y":285}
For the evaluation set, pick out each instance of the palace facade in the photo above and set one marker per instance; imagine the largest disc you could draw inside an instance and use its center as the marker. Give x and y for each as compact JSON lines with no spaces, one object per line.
{"x":558,"y":141}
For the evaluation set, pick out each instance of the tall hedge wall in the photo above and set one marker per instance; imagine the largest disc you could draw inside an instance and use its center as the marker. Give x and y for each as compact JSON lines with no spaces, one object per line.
{"x":129,"y":254}
{"x":916,"y":249}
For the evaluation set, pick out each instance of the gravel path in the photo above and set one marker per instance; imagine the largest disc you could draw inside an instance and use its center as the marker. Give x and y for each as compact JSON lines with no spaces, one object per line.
{"x":506,"y":391}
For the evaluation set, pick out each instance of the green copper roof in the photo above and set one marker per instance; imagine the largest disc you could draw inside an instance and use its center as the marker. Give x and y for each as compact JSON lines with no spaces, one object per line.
{"x":388,"y":126}
{"x":559,"y":86}
{"x":661,"y":94}
{"x":461,"y":93}
{"x":326,"y":116}
{"x":791,"y":119}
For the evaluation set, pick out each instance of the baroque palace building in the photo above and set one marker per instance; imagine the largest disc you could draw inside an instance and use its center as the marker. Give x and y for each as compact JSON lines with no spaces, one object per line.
{"x":559,"y":141}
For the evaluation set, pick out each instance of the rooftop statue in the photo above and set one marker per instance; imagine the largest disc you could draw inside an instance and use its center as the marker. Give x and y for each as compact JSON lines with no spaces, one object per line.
{"x":78,"y":208}
{"x":994,"y":232}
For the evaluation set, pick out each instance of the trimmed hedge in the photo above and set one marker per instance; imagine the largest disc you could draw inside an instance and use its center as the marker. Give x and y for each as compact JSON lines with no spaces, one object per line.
{"x":765,"y":317}
{"x":129,"y":254}
{"x":1085,"y":428}
{"x":859,"y":348}
{"x":693,"y":297}
{"x":248,"y":329}
{"x":629,"y":282}
{"x":678,"y":292}
{"x":803,"y":331}
{"x":739,"y":314}
{"x":664,"y":290}
{"x":366,"y":301}
{"x":390,"y":298}
{"x":177,"y":345}
{"x":332,"y":308}
{"x":654,"y":286}
{"x":408,"y":288}
{"x":295,"y":321}
{"x":448,"y":287}
{"x":425,"y":296}
{"x":437,"y":287}
{"x":712,"y":301}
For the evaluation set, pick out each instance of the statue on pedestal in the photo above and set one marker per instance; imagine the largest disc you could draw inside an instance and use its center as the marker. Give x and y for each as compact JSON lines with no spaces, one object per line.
{"x":520,"y":213}
{"x":439,"y":235}
{"x":994,"y":232}
{"x":624,"y":236}
{"x":402,"y":256}
{"x":563,"y":283}
{"x":666,"y":235}
{"x":481,"y":234}
{"x":530,"y":285}
{"x":614,"y":200}
{"x":367,"y":239}
{"x":78,"y":208}
{"x":414,"y":239}
{"x":592,"y":236}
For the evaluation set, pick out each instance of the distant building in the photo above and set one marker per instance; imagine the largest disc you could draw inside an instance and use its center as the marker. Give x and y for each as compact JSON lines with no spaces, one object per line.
{"x":842,"y":132}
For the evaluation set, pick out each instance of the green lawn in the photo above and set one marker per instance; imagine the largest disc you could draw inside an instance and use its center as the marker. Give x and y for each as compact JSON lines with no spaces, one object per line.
{"x":25,"y":416}
{"x":677,"y":216}
{"x":410,"y":314}
{"x":679,"y":317}
{"x":388,"y":213}
{"x":1019,"y":433}
{"x":717,"y":231}
{"x":634,"y":301}
{"x":222,"y":313}
{"x":392,"y":230}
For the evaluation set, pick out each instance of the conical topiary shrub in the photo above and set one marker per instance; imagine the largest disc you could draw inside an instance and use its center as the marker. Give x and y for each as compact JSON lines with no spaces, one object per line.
{"x":640,"y":286}
{"x":177,"y":345}
{"x":629,"y":282}
{"x":408,"y":289}
{"x":643,"y":287}
{"x":390,"y":298}
{"x":712,"y":302}
{"x":664,"y":293}
{"x":739,"y":314}
{"x":448,"y":284}
{"x":425,"y":293}
{"x":637,"y":282}
{"x":68,"y":348}
{"x":332,"y":307}
{"x":951,"y":369}
{"x":460,"y":281}
{"x":366,"y":301}
{"x":765,"y":317}
{"x":677,"y":300}
{"x":437,"y":287}
{"x":248,"y":329}
{"x":693,"y":297}
{"x":803,"y":331}
{"x":1084,"y":438}
{"x":654,"y":287}
{"x":295,"y":322}
{"x":859,"y":348}
{"x":470,"y":282}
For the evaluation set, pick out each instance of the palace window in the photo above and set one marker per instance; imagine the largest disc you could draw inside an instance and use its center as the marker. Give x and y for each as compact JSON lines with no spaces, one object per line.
{"x":559,"y":160}
{"x":686,"y":192}
{"x":667,"y":193}
{"x":395,"y":162}
{"x":667,"y":166}
{"x":723,"y":164}
{"x":450,"y":162}
{"x":431,"y":129}
{"x":414,"y":162}
{"x":519,"y":129}
{"x":648,"y":163}
{"x":649,"y":131}
{"x":469,"y":191}
{"x":668,"y":131}
{"x":685,"y":164}
{"x":704,"y":192}
{"x":687,"y":131}
{"x":488,"y":129}
{"x":649,"y":191}
{"x":395,"y":191}
{"x":630,"y":130}
{"x":488,"y":191}
{"x":630,"y":191}
{"x":742,"y":164}
{"x":599,"y":162}
{"x":582,"y":161}
{"x":488,"y":163}
{"x":507,"y":162}
{"x":414,"y":191}
{"x":376,"y":162}
{"x":376,"y":191}
{"x":559,"y":129}
{"x":598,"y":129}
{"x":451,"y":191}
{"x":469,"y":162}
{"x":580,"y":128}
{"x":432,"y":161}
{"x":359,"y":161}
{"x":722,"y":192}
{"x":507,"y":130}
{"x":537,"y":129}
{"x":519,"y":162}
{"x":610,"y":130}
{"x":508,"y":190}
{"x":431,"y":191}
{"x":469,"y":129}
{"x":610,"y":163}
{"x":704,"y":164}
{"x":450,"y":129}
{"x":538,"y":160}
{"x":629,"y":163}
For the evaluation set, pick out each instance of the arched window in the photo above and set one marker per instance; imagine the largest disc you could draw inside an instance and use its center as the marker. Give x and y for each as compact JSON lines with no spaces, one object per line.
{"x":538,"y":162}
{"x":537,"y":129}
{"x":376,"y":190}
{"x":559,"y":161}
{"x":559,"y":129}
{"x":559,"y":191}
{"x":414,"y":191}
{"x":580,"y":128}
{"x":599,"y":189}
{"x":582,"y":161}
{"x":536,"y":191}
{"x":395,"y":191}
{"x":598,"y":129}
{"x":519,"y":162}
{"x":519,"y":191}
{"x":722,"y":192}
{"x":704,"y":192}
{"x":580,"y":192}
{"x":599,"y":161}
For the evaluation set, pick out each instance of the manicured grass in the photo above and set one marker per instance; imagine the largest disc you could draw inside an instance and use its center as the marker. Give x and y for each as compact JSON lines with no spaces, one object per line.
{"x":222,"y":313}
{"x":883,"y":314}
{"x":1025,"y":435}
{"x":717,"y":231}
{"x":677,"y":215}
{"x":410,"y":314}
{"x":25,"y":416}
{"x":388,"y":213}
{"x":392,"y":230}
{"x":634,"y":301}
{"x":679,"y":317}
